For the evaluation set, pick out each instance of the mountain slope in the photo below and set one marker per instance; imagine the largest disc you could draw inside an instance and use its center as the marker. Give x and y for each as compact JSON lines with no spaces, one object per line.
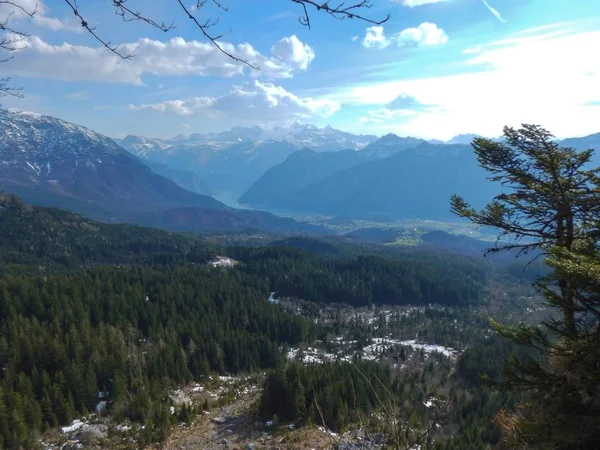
{"x":52,"y":162}
{"x":231,"y":161}
{"x":584,"y":143}
{"x":184,"y":178}
{"x":33,"y":235}
{"x":298,"y":170}
{"x":391,"y":144}
{"x":415,"y":183}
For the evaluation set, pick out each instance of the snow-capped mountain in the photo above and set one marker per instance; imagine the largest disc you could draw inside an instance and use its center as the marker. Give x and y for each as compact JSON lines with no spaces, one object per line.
{"x":43,"y":139}
{"x":464,"y":139}
{"x":390,"y":144}
{"x":142,"y":146}
{"x":300,"y":135}
{"x":318,"y":139}
{"x":53,"y":162}
{"x":230,"y":161}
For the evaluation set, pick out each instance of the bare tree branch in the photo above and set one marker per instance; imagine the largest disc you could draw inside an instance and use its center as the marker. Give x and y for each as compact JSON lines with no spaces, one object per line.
{"x":14,"y":39}
{"x":341,"y":11}
{"x":203,"y":27}
{"x":85,"y":24}
{"x":7,"y":90}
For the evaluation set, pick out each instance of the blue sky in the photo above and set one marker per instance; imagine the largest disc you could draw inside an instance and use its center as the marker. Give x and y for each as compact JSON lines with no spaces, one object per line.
{"x":437,"y":68}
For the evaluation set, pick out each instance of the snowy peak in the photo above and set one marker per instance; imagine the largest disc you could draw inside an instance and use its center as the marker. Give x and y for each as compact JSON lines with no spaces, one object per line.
{"x":54,"y":162}
{"x":464,"y":139}
{"x":390,"y":143}
{"x":141,"y":145}
{"x":299,"y":135}
{"x":35,"y":134}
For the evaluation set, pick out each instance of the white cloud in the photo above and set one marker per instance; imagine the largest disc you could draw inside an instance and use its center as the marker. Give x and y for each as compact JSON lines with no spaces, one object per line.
{"x":400,"y":108}
{"x":253,"y":102}
{"x":355,"y":38}
{"x":413,"y":3}
{"x":425,"y":34}
{"x":173,"y":57}
{"x":385,"y":115}
{"x":494,"y":11}
{"x":511,"y":81}
{"x":36,"y":11}
{"x":374,"y":37}
{"x":293,"y":52}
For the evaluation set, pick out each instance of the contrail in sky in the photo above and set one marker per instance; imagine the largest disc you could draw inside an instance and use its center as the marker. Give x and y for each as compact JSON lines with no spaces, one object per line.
{"x":494,"y":11}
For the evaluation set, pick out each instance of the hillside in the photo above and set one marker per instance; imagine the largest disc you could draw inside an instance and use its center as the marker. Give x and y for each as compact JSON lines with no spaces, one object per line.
{"x":390,"y":144}
{"x":413,"y":183}
{"x":186,"y":179}
{"x":51,"y":162}
{"x":229,"y":162}
{"x":298,"y":170}
{"x":49,"y":237}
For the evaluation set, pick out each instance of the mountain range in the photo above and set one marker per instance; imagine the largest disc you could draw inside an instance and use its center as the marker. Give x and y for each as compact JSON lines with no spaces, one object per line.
{"x":414,"y":182}
{"x":230,"y":162}
{"x":391,"y":178}
{"x":296,"y":170}
{"x":51,"y":162}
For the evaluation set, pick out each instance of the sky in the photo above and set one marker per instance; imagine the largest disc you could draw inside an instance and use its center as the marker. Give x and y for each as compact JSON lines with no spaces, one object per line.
{"x":435,"y":69}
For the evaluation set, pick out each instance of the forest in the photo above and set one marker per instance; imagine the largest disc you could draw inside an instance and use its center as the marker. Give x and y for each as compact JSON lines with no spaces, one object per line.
{"x":411,"y":277}
{"x":88,"y":307}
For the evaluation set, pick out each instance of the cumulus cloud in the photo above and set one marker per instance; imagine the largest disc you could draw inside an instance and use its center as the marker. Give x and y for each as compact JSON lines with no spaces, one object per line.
{"x":401,"y":107}
{"x":406,"y":102}
{"x":173,"y":57}
{"x":19,"y":10}
{"x":471,"y":50}
{"x":425,"y":34}
{"x":254,"y":101}
{"x":293,"y":52}
{"x":506,"y":82}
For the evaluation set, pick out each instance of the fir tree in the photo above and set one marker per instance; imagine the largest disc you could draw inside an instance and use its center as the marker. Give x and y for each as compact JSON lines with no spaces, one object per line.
{"x":552,"y":206}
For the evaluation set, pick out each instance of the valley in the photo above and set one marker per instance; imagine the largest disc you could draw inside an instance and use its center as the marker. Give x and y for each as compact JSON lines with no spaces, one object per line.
{"x":299,"y":225}
{"x":208,"y":329}
{"x":176,"y":321}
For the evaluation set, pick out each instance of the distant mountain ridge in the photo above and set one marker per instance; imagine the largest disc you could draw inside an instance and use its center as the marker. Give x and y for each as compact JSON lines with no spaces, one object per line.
{"x":50,"y":162}
{"x":298,"y":170}
{"x":414,"y":182}
{"x":231,"y":161}
{"x":390,"y":144}
{"x":53,"y":162}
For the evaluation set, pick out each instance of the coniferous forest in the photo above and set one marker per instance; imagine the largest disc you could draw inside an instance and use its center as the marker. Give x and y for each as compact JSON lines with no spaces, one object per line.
{"x":133,"y":312}
{"x":395,"y":342}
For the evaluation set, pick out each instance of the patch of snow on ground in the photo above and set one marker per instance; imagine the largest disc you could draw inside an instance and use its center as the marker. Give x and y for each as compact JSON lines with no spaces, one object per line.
{"x":223,"y":261}
{"x":326,"y":431}
{"x":428,"y":348}
{"x":76,"y":425}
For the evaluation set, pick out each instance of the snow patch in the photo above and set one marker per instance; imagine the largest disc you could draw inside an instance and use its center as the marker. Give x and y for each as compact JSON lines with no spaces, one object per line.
{"x":76,"y":425}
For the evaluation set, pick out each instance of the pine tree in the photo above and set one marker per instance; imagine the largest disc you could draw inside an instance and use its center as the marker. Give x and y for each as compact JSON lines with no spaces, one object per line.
{"x":552,"y":207}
